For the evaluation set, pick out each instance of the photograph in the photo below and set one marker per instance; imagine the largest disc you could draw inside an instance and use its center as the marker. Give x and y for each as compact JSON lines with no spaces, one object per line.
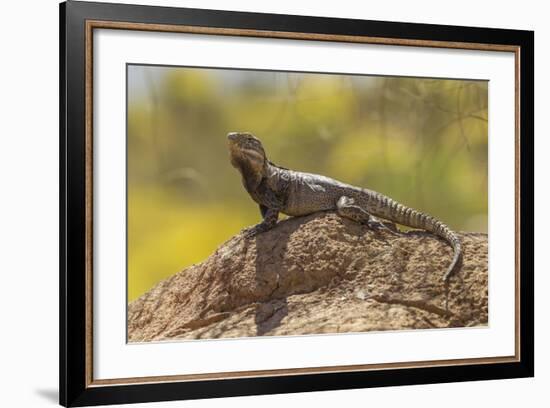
{"x":281,"y":203}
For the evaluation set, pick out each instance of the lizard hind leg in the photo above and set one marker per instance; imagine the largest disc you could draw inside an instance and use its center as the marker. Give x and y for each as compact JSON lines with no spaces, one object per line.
{"x":347,"y":208}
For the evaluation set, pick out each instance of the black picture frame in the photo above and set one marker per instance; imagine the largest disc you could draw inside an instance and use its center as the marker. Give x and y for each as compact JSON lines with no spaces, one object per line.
{"x":76,"y":389}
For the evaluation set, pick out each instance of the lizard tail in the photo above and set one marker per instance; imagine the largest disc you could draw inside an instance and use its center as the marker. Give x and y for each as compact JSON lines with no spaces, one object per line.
{"x":392,"y":210}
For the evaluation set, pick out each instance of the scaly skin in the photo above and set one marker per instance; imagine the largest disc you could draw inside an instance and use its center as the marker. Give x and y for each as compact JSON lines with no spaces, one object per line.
{"x":294,"y":193}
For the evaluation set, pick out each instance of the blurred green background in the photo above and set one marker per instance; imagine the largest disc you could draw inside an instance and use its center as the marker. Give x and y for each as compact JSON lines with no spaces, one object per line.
{"x":420,"y":141}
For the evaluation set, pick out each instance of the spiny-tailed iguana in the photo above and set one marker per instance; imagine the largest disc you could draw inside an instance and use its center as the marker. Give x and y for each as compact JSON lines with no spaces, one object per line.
{"x":277,"y":189}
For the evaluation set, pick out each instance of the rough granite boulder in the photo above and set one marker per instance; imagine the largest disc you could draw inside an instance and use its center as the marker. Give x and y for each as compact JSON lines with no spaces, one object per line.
{"x":317,"y":274}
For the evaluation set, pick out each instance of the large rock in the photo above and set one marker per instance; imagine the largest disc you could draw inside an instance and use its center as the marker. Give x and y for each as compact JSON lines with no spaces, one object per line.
{"x":317,"y":274}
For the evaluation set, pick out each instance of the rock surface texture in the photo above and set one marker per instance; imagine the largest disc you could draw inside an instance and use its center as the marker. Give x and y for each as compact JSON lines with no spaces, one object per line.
{"x":317,"y":274}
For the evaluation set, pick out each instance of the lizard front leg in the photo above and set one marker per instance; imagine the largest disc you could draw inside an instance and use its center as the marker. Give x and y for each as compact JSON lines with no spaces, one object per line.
{"x":270,"y":217}
{"x":347,"y":208}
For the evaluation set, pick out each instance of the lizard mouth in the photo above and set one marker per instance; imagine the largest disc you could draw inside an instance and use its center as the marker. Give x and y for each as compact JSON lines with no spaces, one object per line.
{"x":244,"y":154}
{"x":235,"y":142}
{"x":233,"y":136}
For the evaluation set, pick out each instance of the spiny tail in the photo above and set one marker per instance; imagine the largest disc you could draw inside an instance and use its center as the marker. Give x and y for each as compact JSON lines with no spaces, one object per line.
{"x":390,"y":209}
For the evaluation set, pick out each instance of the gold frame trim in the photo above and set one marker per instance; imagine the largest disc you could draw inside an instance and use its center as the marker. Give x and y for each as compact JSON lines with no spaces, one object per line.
{"x":94,"y":24}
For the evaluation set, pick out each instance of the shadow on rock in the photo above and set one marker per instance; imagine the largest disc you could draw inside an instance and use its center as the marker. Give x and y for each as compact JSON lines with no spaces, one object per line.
{"x":268,"y":315}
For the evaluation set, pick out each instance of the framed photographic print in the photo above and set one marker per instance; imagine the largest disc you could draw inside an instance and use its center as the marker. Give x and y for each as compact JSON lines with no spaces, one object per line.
{"x":256,"y":203}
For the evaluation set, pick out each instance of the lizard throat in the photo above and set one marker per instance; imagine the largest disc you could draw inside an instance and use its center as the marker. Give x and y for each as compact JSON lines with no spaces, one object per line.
{"x":252,"y":172}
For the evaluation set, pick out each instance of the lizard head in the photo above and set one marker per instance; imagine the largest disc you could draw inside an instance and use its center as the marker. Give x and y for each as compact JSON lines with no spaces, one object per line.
{"x":248,"y":156}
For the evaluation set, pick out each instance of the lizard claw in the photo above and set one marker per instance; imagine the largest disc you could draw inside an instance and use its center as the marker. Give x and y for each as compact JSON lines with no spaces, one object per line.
{"x":251,"y":232}
{"x":377,"y":225}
